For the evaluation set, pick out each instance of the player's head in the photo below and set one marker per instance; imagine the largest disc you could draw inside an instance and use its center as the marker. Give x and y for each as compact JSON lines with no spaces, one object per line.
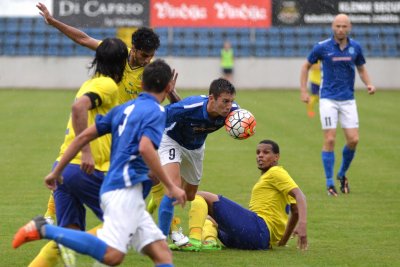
{"x":227,"y":45}
{"x":110,"y":58}
{"x":341,"y":27}
{"x":145,"y":42}
{"x":221,"y":96}
{"x":267,"y":154}
{"x":157,"y":77}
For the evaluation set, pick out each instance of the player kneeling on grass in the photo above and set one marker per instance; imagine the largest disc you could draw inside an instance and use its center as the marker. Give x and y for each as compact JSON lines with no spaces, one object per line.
{"x":265,"y":223}
{"x":136,"y":128}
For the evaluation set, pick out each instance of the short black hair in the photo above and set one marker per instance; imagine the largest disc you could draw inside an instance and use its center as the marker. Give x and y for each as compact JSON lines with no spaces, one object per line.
{"x":110,"y":58}
{"x":145,"y":39}
{"x":219,"y":86}
{"x":275,"y":147}
{"x":156,"y":76}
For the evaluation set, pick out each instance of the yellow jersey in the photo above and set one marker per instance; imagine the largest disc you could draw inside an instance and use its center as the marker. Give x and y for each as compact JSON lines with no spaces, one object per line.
{"x":131,"y":84}
{"x":107,"y":90}
{"x":269,"y":198}
{"x":314,"y":74}
{"x":227,"y":58}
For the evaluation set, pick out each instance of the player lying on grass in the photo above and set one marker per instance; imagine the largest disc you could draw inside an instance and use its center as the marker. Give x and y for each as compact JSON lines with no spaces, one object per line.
{"x":136,"y":129}
{"x":265,"y":223}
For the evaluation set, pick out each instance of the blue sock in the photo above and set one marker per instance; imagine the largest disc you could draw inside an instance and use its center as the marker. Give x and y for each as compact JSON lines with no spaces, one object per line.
{"x":165,"y":214}
{"x":348,"y":156}
{"x":165,"y":265}
{"x":328,"y":160}
{"x":79,"y":241}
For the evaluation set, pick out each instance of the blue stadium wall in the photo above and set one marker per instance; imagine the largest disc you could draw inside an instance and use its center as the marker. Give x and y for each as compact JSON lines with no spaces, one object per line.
{"x":264,"y":58}
{"x":32,"y":37}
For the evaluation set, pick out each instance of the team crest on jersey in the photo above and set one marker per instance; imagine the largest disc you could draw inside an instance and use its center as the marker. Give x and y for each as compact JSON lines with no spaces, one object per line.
{"x":351,"y":50}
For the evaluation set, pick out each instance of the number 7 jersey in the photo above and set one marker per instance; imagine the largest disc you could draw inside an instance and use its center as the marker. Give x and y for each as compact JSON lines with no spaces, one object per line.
{"x":128,"y":123}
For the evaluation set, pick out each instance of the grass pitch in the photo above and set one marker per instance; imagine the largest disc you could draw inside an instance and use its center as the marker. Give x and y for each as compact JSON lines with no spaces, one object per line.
{"x":360,"y":229}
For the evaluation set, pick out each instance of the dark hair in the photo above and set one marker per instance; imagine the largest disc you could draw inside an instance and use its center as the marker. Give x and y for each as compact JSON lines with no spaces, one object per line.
{"x":145,"y":39}
{"x":110,"y":58}
{"x":156,"y":76}
{"x":275,"y":147}
{"x":219,"y":86}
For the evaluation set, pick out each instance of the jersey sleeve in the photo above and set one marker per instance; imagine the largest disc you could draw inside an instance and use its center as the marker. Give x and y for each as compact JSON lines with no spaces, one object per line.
{"x":282,"y":181}
{"x":235,"y":106}
{"x":154,"y":126}
{"x":360,"y":59}
{"x":103,"y":123}
{"x":175,"y":112}
{"x":107,"y":90}
{"x":315,"y":54}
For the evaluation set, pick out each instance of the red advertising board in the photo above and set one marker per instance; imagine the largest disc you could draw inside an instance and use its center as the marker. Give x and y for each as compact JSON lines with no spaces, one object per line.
{"x":204,"y":13}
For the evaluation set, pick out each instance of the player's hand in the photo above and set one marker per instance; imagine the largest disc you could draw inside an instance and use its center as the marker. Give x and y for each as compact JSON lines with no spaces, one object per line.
{"x":174,"y":78}
{"x":301,"y":233}
{"x":44,"y":12}
{"x":87,"y":162}
{"x":179,"y":194}
{"x":304,"y":96}
{"x":51,"y":181}
{"x":371,"y":89}
{"x":172,"y":94}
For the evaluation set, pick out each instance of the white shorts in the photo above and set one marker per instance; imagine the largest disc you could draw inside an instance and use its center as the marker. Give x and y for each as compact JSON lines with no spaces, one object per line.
{"x":332,"y":111}
{"x":126,"y":222}
{"x":191,"y":160}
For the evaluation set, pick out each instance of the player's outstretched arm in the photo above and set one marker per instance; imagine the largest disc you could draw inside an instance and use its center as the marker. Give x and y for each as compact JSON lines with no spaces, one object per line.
{"x":80,"y":141}
{"x":151,"y":158}
{"x":304,"y":96}
{"x":301,"y":229}
{"x":74,"y":34}
{"x":79,"y":118}
{"x":291,"y":225}
{"x":364,"y":76}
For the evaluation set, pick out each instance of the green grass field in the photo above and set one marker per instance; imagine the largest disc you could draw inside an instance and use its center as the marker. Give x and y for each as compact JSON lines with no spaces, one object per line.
{"x":360,"y":229}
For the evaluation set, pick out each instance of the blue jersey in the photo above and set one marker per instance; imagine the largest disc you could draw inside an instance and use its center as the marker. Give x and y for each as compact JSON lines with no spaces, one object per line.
{"x":188,"y":122}
{"x":128,"y":123}
{"x":338,"y":67}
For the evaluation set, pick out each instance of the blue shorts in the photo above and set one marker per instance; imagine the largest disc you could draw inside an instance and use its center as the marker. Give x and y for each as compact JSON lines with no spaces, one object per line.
{"x":314,"y":88}
{"x":239,"y":227}
{"x":78,"y":189}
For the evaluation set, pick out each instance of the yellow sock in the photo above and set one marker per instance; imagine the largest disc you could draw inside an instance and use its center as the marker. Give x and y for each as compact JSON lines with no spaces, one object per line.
{"x":209,"y":231}
{"x":47,"y":257}
{"x":176,"y":221}
{"x":313,"y":101}
{"x":197,"y":216}
{"x":51,"y":208}
{"x":157,"y":193}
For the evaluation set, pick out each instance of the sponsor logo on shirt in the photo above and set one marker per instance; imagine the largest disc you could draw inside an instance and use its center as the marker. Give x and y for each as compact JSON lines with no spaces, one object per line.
{"x":341,"y":59}
{"x":204,"y":129}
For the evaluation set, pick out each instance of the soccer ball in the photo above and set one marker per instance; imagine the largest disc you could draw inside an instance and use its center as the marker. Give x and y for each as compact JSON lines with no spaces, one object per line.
{"x":240,"y":124}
